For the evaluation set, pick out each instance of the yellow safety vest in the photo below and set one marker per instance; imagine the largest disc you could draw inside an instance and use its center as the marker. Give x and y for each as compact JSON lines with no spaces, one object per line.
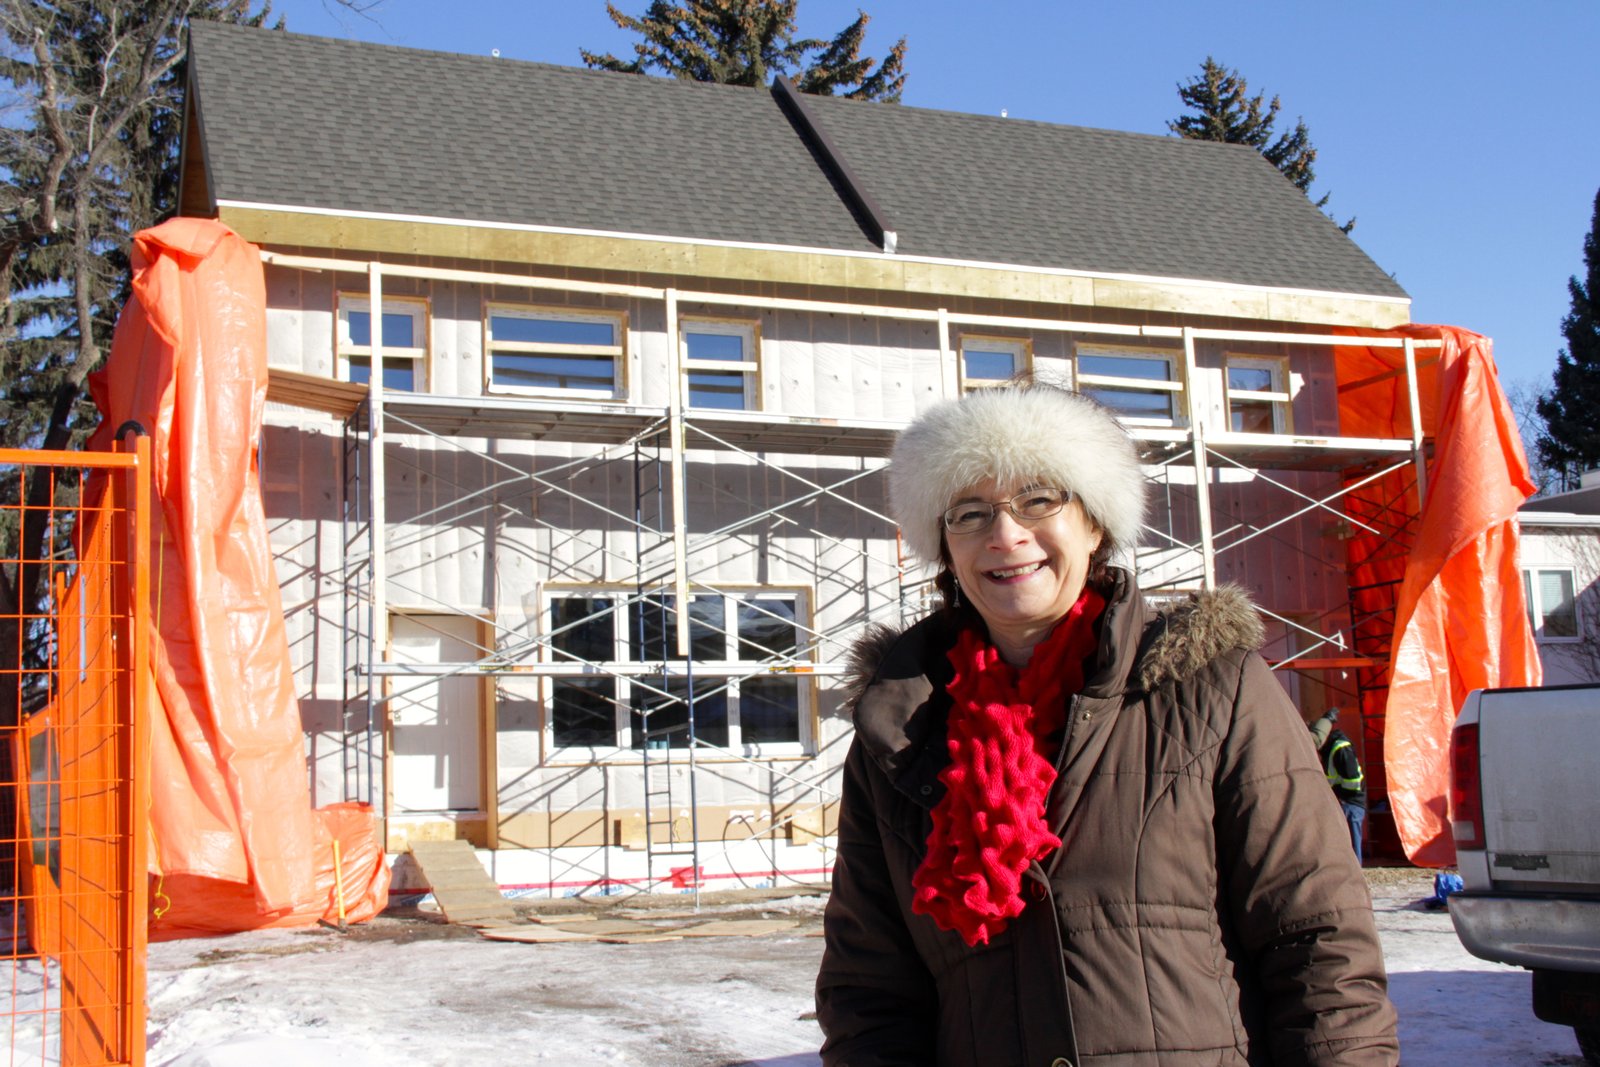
{"x":1334,"y":777}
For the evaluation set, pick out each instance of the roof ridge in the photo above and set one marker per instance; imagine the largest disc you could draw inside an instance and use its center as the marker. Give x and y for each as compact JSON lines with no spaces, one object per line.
{"x":677,"y":84}
{"x":480,"y":60}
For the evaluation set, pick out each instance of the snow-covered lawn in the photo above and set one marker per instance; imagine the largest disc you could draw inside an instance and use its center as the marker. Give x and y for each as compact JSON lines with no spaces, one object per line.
{"x":406,"y":991}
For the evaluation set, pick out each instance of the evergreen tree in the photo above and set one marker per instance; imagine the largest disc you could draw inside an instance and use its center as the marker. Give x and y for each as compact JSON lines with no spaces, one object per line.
{"x":88,"y":155}
{"x":1225,"y":111}
{"x":1571,"y":410}
{"x":751,"y":42}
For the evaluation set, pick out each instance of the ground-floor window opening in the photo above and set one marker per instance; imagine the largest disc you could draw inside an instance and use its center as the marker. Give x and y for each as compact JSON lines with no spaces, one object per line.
{"x":743,"y":648}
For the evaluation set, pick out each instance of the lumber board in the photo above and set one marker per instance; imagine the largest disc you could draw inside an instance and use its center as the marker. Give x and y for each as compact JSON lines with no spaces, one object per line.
{"x":462,"y":888}
{"x":738,"y":928}
{"x":533,"y":934}
{"x":617,"y":927}
{"x":640,"y":939}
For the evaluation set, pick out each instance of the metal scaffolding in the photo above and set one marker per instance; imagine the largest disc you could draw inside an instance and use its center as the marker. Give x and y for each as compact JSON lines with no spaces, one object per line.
{"x":1185,"y":462}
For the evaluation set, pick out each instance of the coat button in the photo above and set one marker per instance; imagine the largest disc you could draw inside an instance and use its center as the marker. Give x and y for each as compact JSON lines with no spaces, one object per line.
{"x":926,"y":790}
{"x":1060,"y":1061}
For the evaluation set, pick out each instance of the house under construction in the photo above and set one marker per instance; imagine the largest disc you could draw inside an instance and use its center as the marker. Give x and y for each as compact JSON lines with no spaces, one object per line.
{"x":573,"y":542}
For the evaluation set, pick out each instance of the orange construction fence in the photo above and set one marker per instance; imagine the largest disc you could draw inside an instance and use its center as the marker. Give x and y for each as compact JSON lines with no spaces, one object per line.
{"x":74,"y":754}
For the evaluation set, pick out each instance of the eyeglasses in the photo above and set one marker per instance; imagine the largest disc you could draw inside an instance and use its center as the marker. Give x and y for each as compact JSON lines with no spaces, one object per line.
{"x":976,"y":516}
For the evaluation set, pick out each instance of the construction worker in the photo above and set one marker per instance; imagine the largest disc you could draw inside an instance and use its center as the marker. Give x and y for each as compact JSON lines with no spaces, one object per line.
{"x":1343,"y":769}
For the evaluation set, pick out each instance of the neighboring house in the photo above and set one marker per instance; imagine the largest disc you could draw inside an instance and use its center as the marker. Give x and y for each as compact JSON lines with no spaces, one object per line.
{"x":1560,"y":559}
{"x":645,"y":340}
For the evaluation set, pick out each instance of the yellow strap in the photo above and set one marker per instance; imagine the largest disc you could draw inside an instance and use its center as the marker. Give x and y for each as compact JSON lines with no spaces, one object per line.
{"x":163,"y":903}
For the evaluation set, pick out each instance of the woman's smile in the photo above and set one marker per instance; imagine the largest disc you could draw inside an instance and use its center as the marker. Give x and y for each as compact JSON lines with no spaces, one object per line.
{"x":1014,"y":573}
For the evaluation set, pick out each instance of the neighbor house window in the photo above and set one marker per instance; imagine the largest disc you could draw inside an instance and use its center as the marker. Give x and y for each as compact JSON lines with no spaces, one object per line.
{"x":1258,"y":395}
{"x":405,"y":342}
{"x":1552,"y":606}
{"x":554,"y":351}
{"x":721,"y":361}
{"x":738,"y":673}
{"x":1140,"y":386}
{"x":991,"y":361}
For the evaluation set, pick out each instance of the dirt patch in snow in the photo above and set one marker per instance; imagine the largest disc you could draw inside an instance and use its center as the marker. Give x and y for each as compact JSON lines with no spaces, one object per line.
{"x":802,"y":905}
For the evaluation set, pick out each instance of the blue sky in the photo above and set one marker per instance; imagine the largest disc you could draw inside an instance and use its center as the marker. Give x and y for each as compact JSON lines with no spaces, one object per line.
{"x":1461,"y":135}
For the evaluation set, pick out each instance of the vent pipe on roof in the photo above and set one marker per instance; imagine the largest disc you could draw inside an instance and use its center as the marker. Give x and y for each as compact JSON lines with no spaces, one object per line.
{"x":793,"y":104}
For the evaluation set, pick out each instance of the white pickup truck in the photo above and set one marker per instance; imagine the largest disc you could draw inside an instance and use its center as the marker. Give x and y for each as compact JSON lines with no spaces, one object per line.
{"x":1525,"y":812}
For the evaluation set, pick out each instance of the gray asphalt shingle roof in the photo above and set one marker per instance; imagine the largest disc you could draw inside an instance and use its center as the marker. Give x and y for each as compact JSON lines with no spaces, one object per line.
{"x":342,"y":125}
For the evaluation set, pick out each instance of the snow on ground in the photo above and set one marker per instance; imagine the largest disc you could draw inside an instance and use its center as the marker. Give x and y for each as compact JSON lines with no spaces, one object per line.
{"x":1455,"y":1008}
{"x":411,"y":991}
{"x":360,"y":1000}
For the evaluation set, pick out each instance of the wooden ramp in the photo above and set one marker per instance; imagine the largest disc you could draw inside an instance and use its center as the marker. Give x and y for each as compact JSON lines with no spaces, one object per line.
{"x":464,"y":890}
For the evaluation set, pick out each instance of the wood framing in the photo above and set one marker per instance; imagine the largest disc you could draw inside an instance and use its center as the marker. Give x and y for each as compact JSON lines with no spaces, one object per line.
{"x":1278,"y":396}
{"x":751,"y":366}
{"x":619,"y":352}
{"x":377,"y":235}
{"x":1021,"y":349}
{"x":344,"y":299}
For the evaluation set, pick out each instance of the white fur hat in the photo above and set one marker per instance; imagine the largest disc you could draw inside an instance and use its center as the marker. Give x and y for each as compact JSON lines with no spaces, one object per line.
{"x":1012,"y":433}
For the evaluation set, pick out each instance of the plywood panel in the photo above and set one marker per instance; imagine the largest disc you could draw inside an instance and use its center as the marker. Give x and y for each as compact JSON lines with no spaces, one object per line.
{"x":834,"y":367}
{"x":462,"y":887}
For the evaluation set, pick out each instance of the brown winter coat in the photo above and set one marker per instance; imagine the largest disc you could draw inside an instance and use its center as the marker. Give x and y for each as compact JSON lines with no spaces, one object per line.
{"x":1204,"y":908}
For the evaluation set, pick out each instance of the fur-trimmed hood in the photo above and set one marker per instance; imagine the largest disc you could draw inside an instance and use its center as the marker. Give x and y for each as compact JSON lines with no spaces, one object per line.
{"x":1197,"y":631}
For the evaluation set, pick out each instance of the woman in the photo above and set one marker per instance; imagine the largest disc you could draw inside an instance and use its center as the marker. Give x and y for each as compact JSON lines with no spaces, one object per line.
{"x":1074,"y":832}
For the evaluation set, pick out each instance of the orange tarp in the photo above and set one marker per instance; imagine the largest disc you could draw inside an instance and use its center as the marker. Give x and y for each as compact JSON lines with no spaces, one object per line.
{"x":233,"y":833}
{"x":1460,"y":619}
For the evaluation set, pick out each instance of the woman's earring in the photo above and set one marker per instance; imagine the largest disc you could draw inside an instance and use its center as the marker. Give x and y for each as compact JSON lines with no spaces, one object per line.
{"x":958,"y":591}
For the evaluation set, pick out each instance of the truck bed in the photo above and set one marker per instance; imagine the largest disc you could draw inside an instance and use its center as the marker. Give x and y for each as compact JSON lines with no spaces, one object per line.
{"x":1540,"y":774}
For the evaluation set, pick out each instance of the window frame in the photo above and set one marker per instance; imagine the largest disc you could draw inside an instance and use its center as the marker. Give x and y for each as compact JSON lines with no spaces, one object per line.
{"x":1173,"y":386}
{"x":556,"y":313}
{"x":750,"y":366}
{"x":1021,"y":349}
{"x":1280,"y":398}
{"x":421,"y":356}
{"x":632,"y":676}
{"x":1538,"y":618}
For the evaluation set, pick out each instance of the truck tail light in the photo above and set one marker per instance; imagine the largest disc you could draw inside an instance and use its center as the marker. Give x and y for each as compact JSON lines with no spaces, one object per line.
{"x":1466,"y":788}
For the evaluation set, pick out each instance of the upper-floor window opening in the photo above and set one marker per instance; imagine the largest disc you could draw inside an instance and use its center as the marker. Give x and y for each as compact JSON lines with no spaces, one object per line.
{"x":1552,"y":604}
{"x":721,"y":359}
{"x":1258,"y":394}
{"x":405,"y":341}
{"x":555,"y":351}
{"x":991,"y":361}
{"x":1141,"y":386}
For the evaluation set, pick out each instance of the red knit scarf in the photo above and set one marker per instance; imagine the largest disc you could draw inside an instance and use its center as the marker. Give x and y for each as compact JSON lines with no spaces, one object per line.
{"x":990,"y":824}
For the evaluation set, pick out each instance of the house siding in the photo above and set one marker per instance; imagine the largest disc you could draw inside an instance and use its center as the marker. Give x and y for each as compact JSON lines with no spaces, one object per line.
{"x":458,"y":542}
